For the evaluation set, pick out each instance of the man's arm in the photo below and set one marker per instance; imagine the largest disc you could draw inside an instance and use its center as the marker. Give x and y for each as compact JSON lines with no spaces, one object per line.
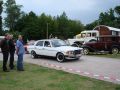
{"x":17,"y":47}
{"x":17,"y":50}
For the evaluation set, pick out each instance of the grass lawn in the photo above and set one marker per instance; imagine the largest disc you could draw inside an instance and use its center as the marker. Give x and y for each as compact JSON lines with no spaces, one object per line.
{"x":40,"y":78}
{"x":107,"y":55}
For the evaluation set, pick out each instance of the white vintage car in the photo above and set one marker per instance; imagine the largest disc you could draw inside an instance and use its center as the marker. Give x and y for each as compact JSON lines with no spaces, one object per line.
{"x":54,"y":48}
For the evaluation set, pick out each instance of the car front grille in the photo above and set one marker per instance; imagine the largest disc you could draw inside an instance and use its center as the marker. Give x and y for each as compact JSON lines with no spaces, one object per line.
{"x":77,"y":52}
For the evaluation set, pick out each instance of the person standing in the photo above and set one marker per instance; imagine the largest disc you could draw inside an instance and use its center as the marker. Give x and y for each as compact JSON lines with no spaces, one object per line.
{"x":5,"y":51}
{"x":12,"y":52}
{"x":20,"y":52}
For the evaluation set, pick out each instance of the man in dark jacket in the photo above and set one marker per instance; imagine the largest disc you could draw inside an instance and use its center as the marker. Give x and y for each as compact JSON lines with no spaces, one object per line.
{"x":5,"y":51}
{"x":12,"y":52}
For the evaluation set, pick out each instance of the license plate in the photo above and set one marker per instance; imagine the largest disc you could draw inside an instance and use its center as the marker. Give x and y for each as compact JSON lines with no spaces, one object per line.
{"x":78,"y":55}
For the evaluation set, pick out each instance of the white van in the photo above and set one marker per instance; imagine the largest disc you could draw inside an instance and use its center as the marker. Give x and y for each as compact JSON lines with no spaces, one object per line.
{"x":83,"y":37}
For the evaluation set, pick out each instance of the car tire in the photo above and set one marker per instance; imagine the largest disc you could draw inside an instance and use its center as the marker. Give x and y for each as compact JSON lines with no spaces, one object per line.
{"x":78,"y":58}
{"x":86,"y":51}
{"x":33,"y":54}
{"x":60,"y":57}
{"x":115,"y":50}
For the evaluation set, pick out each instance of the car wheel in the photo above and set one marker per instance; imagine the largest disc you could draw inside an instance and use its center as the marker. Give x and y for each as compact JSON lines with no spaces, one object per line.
{"x":78,"y":58}
{"x":86,"y":51}
{"x":60,"y":57}
{"x":33,"y":54}
{"x":115,"y":50}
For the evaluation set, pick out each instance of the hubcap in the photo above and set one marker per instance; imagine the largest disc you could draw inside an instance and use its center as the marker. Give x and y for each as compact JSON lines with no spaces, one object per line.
{"x":32,"y":54}
{"x":115,"y":51}
{"x":86,"y":51}
{"x":60,"y":57}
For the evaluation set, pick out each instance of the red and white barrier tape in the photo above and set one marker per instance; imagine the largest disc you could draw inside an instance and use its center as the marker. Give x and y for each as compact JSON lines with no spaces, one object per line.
{"x":100,"y":77}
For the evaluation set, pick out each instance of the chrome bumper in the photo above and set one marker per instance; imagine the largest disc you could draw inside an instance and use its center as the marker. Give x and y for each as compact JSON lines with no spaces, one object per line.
{"x":73,"y":56}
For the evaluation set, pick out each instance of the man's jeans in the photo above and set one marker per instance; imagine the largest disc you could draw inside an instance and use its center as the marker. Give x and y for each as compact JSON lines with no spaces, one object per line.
{"x":20,"y":62}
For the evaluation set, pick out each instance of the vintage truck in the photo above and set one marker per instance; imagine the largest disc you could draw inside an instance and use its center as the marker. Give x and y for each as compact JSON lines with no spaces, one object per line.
{"x":107,"y":43}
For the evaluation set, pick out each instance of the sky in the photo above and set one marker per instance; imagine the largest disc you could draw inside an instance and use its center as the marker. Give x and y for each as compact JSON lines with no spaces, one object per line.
{"x":84,"y":10}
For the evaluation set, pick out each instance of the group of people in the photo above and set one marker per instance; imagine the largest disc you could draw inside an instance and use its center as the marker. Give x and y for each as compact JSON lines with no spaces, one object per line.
{"x":9,"y":47}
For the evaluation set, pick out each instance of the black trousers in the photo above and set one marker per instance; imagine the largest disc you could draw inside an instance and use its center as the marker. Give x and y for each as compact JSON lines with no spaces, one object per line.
{"x":11,"y":64}
{"x":5,"y":59}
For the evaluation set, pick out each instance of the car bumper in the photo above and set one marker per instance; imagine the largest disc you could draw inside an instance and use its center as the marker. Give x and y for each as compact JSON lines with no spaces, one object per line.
{"x":73,"y":56}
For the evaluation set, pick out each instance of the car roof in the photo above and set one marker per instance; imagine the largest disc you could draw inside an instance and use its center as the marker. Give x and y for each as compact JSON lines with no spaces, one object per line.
{"x":108,"y":36}
{"x":48,"y":39}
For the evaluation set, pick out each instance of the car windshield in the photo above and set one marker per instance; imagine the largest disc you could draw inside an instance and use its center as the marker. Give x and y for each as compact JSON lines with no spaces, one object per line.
{"x":58,"y":43}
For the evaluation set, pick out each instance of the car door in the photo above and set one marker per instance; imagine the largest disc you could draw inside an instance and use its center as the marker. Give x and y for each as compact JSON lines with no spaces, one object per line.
{"x":39,"y":47}
{"x":48,"y":49}
{"x":99,"y":45}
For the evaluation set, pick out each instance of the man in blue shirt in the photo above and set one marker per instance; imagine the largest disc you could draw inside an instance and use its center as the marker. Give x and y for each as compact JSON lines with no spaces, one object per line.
{"x":20,"y":52}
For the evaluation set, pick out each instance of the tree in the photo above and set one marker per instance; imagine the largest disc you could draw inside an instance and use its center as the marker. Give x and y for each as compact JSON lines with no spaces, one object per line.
{"x":35,"y":27}
{"x":1,"y":9}
{"x":105,"y":18}
{"x":92,"y":25}
{"x":117,"y":10}
{"x":13,"y":12}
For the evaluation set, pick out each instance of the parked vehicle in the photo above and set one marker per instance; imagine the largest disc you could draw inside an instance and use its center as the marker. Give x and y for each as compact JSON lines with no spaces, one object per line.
{"x":54,"y":48}
{"x":83,"y":37}
{"x":107,"y":43}
{"x":90,"y":35}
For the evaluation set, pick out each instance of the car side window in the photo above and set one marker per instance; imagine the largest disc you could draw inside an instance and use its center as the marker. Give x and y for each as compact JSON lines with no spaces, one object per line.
{"x":40,"y":43}
{"x":47,"y":44}
{"x":93,"y":41}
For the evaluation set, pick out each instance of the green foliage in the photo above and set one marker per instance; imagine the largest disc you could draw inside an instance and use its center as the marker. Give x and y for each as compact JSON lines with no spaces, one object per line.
{"x":107,"y":18}
{"x":1,"y":9}
{"x":117,"y":10}
{"x":91,"y":25}
{"x":35,"y":27}
{"x":13,"y":12}
{"x":15,"y":34}
{"x":40,"y":78}
{"x":110,"y":18}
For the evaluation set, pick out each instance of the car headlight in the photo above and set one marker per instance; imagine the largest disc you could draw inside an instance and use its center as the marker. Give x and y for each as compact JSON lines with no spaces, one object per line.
{"x":69,"y":52}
